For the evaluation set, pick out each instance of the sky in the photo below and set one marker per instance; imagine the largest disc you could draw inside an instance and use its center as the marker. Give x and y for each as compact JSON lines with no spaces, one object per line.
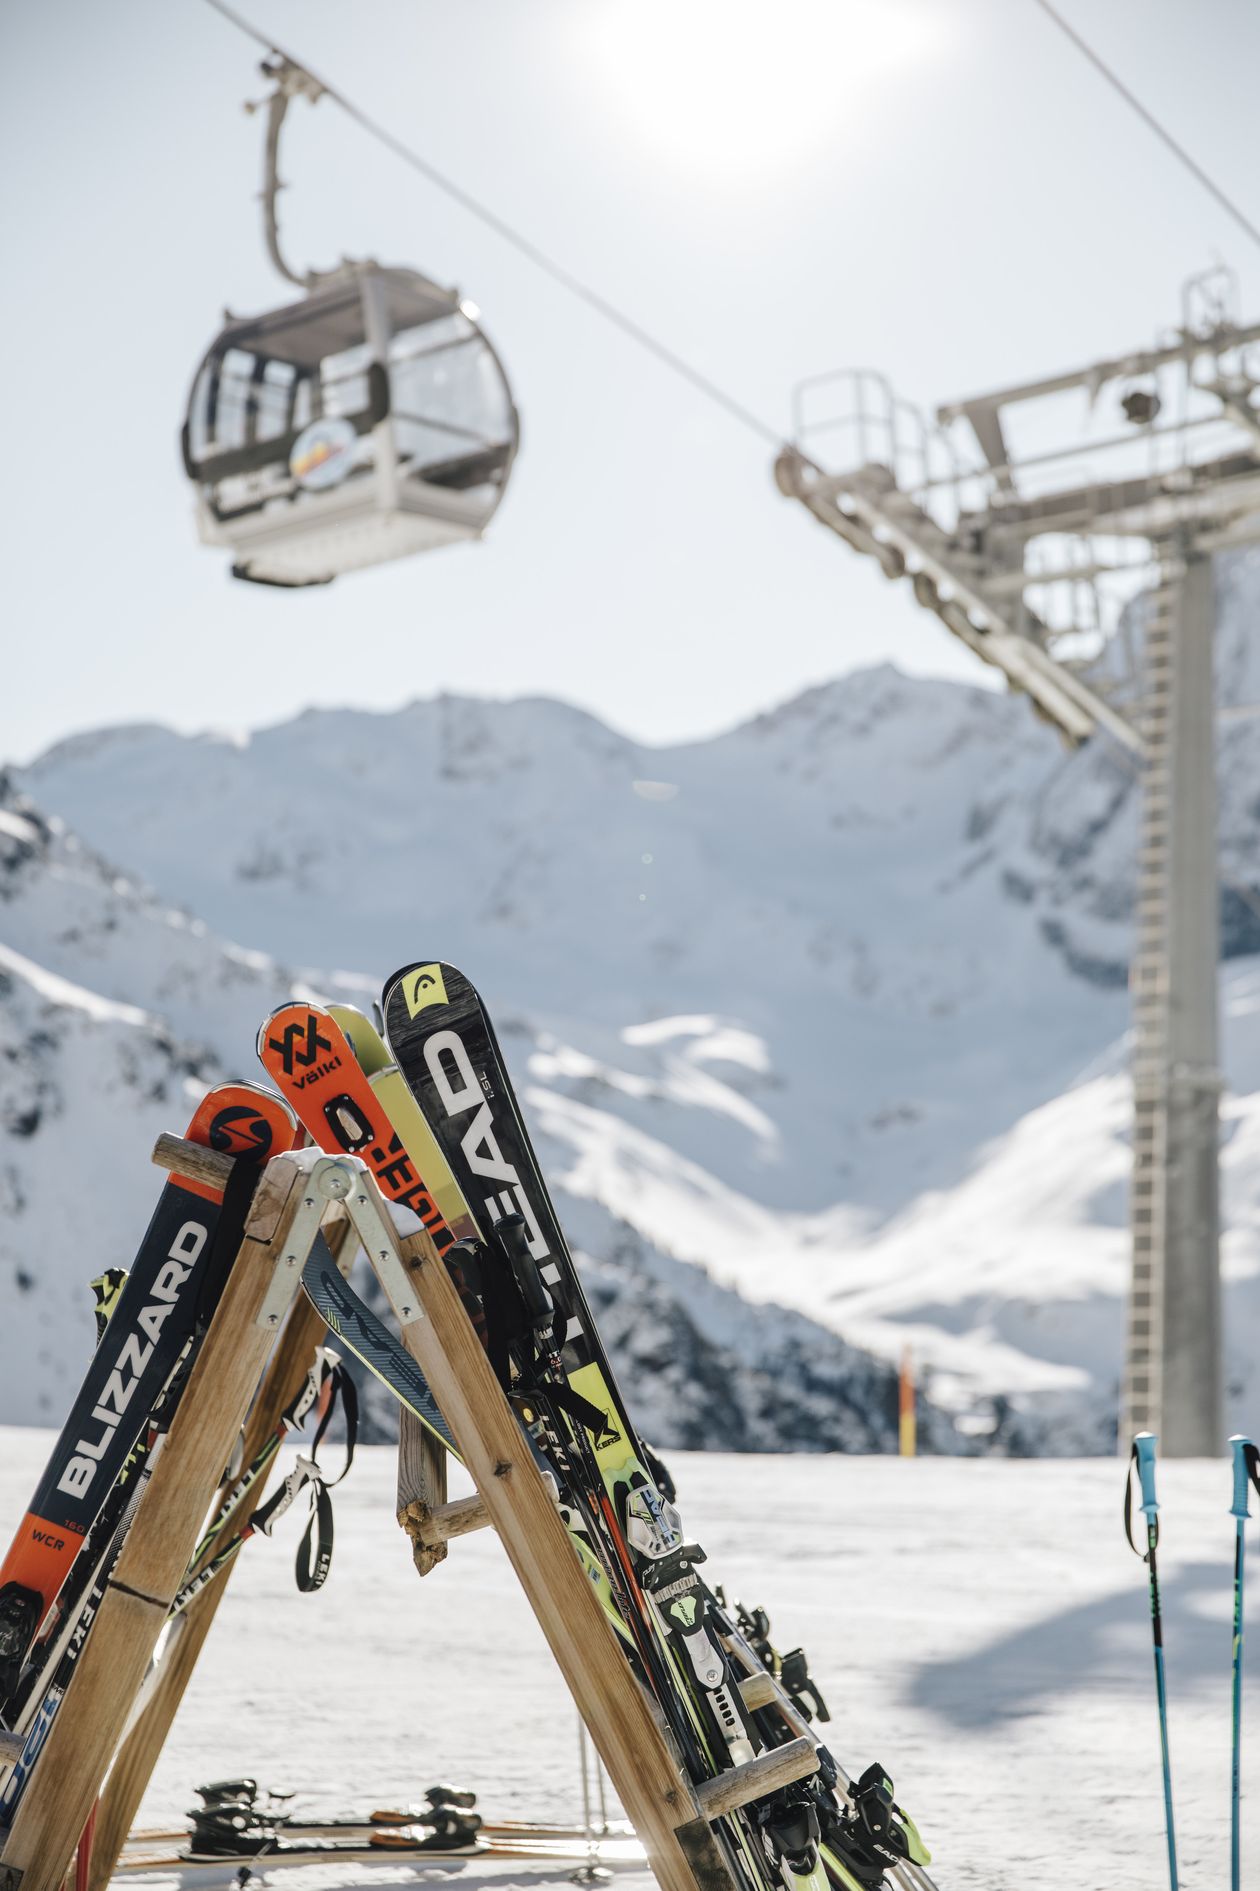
{"x":943,"y":190}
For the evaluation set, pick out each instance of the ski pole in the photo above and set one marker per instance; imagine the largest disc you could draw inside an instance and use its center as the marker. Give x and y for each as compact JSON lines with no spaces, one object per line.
{"x":1143,"y":1458}
{"x":1246,"y":1472}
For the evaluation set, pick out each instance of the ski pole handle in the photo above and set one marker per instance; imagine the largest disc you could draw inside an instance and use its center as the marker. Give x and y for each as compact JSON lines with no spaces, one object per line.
{"x":1144,"y":1451}
{"x":1240,"y":1507}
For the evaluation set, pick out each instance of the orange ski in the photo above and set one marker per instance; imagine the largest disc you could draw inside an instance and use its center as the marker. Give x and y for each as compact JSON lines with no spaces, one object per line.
{"x":308,"y":1056}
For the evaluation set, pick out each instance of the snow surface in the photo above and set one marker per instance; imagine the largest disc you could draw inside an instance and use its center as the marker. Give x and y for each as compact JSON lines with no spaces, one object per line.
{"x":979,"y":1626}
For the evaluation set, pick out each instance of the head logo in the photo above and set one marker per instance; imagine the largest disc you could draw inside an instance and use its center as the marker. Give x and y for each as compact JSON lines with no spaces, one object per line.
{"x":240,"y":1131}
{"x":424,"y":987}
{"x":300,"y":1043}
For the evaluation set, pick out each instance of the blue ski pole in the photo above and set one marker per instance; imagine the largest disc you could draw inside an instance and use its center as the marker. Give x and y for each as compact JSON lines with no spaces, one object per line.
{"x":1246,"y":1473}
{"x":1143,"y":1457}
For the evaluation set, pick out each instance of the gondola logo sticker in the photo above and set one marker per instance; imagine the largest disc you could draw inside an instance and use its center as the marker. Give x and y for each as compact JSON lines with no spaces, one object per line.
{"x":323,"y":453}
{"x":424,"y":987}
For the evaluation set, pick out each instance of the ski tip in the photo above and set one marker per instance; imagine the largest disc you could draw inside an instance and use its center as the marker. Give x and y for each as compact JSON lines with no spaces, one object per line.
{"x":420,"y":985}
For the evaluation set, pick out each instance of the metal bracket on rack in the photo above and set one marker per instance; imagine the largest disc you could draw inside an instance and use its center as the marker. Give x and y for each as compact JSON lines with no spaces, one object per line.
{"x":341,"y":1179}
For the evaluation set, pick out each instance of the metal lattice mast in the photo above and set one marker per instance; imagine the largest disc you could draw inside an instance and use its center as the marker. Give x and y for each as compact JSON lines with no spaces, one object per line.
{"x":1142,"y":1390}
{"x":1027,"y":558}
{"x":1172,"y":1379}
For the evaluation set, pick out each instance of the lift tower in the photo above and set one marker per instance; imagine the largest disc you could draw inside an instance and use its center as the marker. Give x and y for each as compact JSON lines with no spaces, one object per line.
{"x":1027,"y":529}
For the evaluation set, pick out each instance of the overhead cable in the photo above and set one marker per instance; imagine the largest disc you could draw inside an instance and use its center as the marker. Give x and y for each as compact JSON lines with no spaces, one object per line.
{"x":558,"y":273}
{"x":1161,"y":131}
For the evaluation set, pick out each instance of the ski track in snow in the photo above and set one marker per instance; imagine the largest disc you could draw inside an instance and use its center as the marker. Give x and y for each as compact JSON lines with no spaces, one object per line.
{"x":979,"y":1626}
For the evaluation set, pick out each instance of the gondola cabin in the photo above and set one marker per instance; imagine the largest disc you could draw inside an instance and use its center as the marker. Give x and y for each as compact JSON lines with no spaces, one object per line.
{"x":369,"y":420}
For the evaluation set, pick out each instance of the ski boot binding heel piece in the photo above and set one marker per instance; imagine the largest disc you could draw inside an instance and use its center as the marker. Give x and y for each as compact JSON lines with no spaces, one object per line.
{"x":789,"y":1824}
{"x":874,"y":1833}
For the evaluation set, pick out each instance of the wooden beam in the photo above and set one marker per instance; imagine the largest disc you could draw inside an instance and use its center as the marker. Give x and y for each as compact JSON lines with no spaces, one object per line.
{"x":446,"y":1521}
{"x":660,"y":1801}
{"x":192,"y":1159}
{"x":758,"y":1690}
{"x":766,"y":1774}
{"x":68,"y":1774}
{"x":133,"y":1766}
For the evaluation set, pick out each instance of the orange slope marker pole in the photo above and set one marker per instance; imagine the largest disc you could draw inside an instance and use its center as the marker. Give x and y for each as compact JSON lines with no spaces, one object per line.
{"x":906,"y":1426}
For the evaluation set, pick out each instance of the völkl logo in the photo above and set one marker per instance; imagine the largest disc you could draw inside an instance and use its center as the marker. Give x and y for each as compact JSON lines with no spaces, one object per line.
{"x":300,"y":1044}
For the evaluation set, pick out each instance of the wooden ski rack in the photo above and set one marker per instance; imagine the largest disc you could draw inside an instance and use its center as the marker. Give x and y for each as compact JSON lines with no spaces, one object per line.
{"x":257,"y":1348}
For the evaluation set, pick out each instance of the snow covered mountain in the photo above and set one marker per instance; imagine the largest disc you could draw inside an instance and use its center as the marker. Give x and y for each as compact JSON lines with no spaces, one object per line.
{"x":828,"y":1011}
{"x":88,"y":1078}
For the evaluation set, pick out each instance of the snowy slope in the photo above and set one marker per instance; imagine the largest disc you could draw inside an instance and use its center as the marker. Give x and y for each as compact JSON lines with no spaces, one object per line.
{"x":831,"y":1007}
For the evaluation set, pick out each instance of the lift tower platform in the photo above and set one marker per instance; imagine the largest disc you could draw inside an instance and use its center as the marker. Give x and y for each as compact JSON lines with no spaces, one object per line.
{"x":1026,"y":520}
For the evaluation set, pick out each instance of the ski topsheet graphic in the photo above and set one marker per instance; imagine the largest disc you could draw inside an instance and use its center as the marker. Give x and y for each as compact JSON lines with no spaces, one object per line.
{"x":438,"y":1031}
{"x":150,"y":1325}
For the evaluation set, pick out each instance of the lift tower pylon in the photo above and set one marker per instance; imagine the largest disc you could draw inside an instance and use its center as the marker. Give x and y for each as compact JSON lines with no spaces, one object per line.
{"x":1014,"y":540}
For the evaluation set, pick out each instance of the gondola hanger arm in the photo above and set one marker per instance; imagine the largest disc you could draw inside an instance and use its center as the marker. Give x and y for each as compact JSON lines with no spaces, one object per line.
{"x":290,"y":81}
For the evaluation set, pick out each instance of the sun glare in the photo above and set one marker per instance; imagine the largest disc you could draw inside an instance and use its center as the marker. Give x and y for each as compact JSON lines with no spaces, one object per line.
{"x":736,"y":89}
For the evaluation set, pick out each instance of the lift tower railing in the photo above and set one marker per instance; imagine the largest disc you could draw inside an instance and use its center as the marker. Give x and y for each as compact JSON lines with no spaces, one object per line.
{"x":1027,"y":530}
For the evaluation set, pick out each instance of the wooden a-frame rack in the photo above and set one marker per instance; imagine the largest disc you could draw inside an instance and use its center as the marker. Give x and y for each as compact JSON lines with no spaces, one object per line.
{"x":251,"y":1363}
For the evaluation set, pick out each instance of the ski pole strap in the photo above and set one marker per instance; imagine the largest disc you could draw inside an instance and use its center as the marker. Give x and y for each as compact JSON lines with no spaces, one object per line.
{"x":1142,"y":1460}
{"x":338,"y":1386}
{"x":309,"y":1570}
{"x":566,"y":1400}
{"x":325,"y":1379}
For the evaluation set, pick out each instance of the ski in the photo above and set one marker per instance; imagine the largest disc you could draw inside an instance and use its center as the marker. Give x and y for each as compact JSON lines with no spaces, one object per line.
{"x":345,"y":1111}
{"x":448,"y":1055}
{"x":242,"y":1828}
{"x":275,"y":1806}
{"x":346,"y":1089}
{"x":66,"y":1546}
{"x":231,"y":1869}
{"x":154,"y":1318}
{"x":307,"y":1053}
{"x":237,"y":1818}
{"x":304,"y":1050}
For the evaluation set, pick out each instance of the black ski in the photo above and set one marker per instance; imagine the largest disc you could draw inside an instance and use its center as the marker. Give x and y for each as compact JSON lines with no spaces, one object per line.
{"x":98,"y":1467}
{"x":169,"y":1293}
{"x":445,"y":1046}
